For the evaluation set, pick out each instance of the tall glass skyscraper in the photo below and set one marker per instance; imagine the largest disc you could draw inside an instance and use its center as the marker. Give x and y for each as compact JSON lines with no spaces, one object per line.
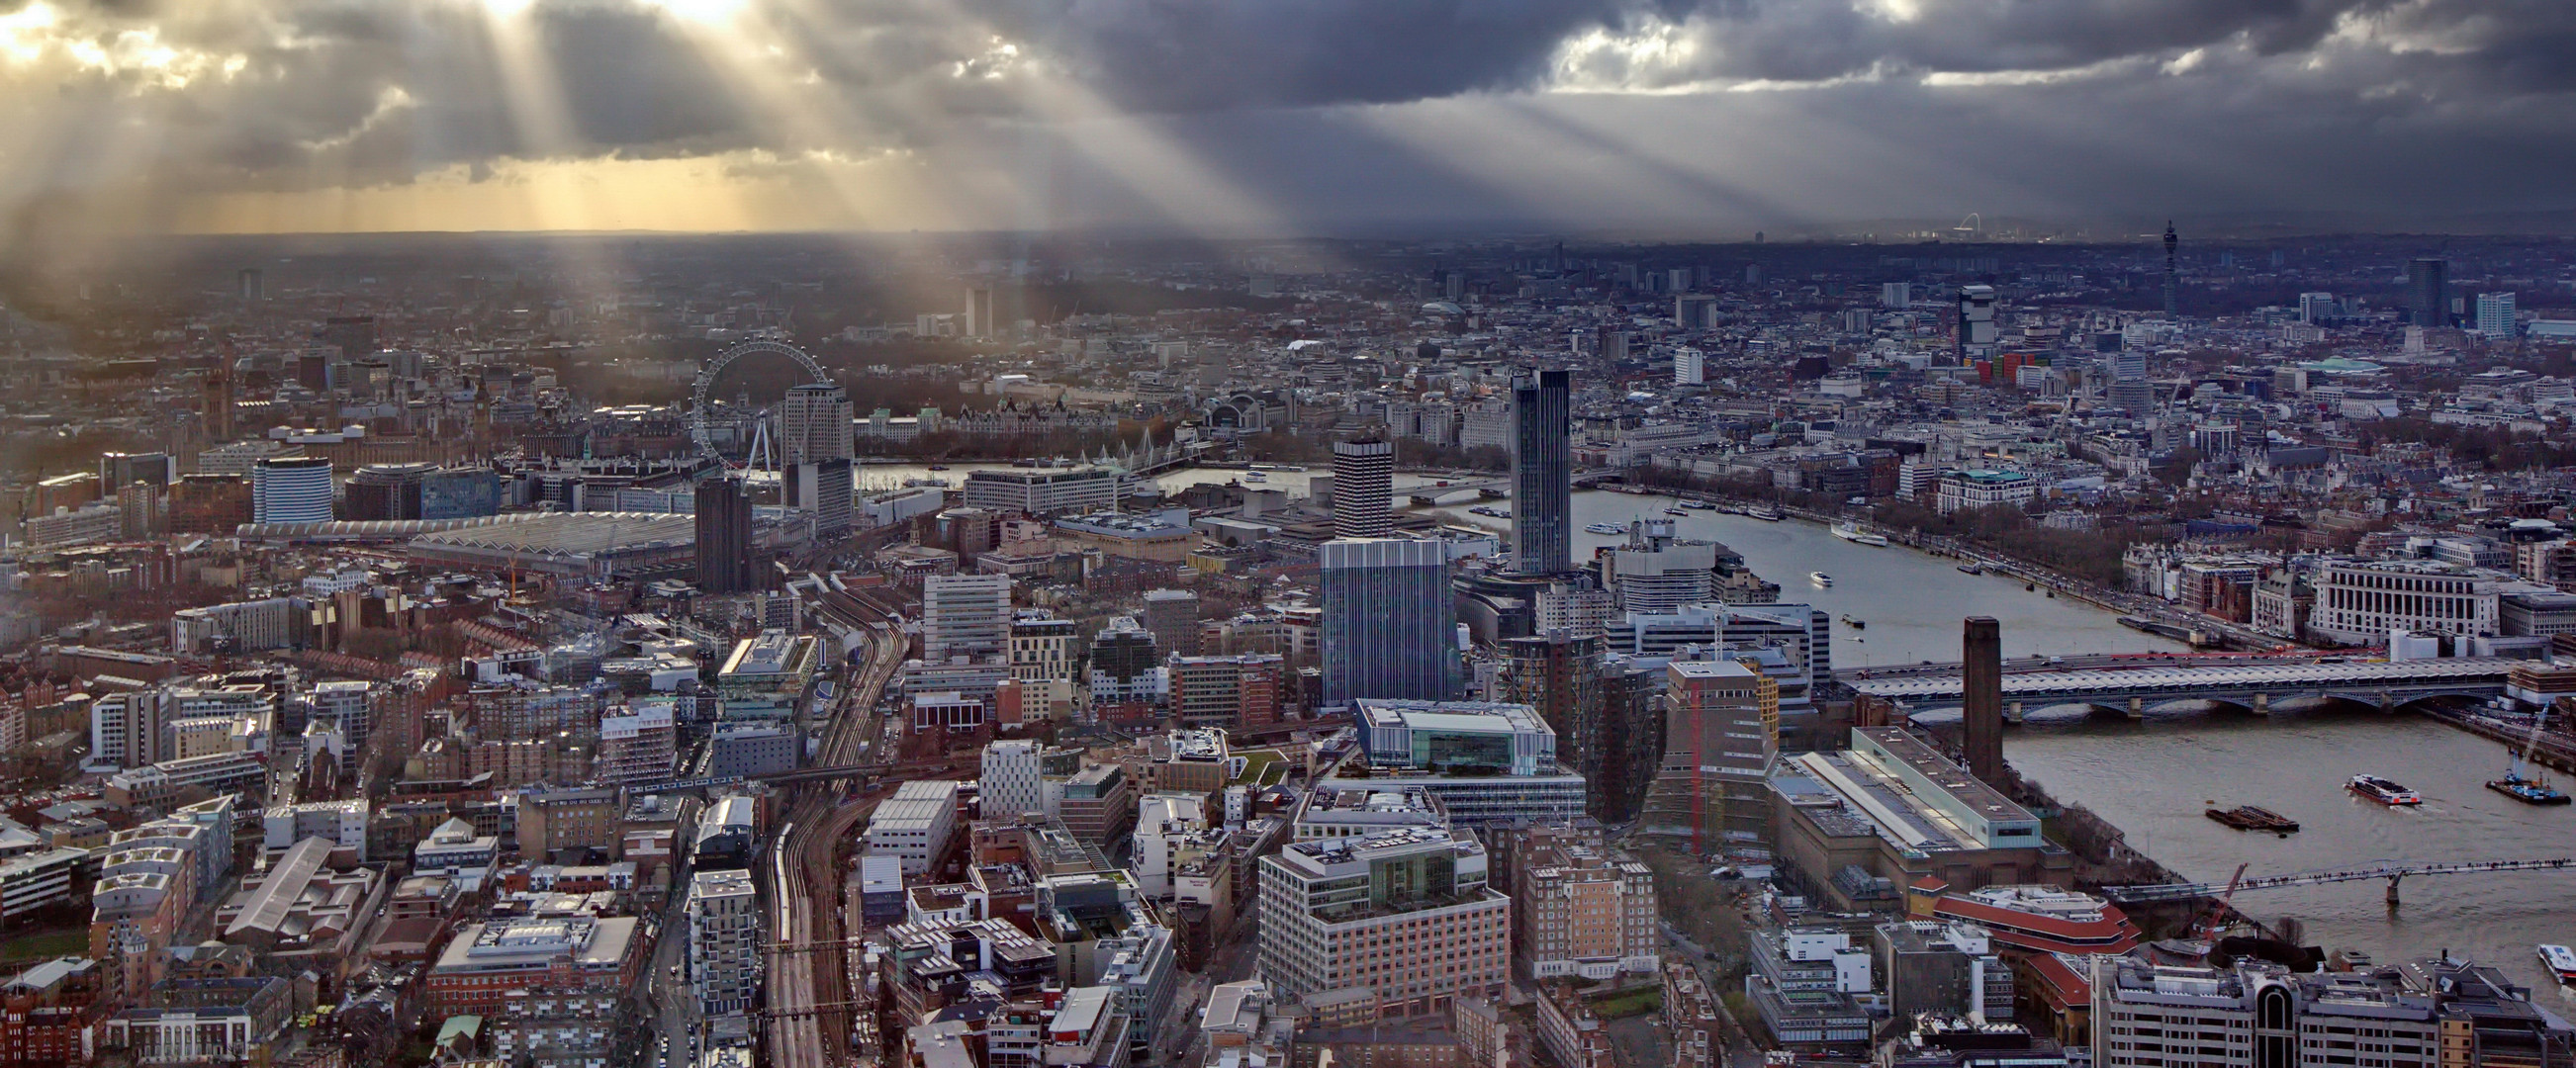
{"x":2428,"y":292}
{"x":1542,"y":473}
{"x":1390,"y":629}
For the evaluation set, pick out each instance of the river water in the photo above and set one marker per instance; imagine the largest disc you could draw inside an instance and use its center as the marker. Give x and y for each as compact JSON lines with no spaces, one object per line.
{"x":2153,"y":778}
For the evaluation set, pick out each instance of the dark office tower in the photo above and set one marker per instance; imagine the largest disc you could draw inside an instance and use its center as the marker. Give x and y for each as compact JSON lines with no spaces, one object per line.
{"x":1542,"y":473}
{"x":724,"y":538}
{"x":1981,"y":676}
{"x":2172,"y":241}
{"x":1363,"y":489}
{"x":1631,"y":696}
{"x":1559,"y":675}
{"x":248,"y":282}
{"x":2428,"y":292}
{"x":979,"y":312}
{"x":1172,"y":617}
{"x":354,"y":335}
{"x":118,"y":470}
{"x":216,"y":407}
{"x":384,"y":491}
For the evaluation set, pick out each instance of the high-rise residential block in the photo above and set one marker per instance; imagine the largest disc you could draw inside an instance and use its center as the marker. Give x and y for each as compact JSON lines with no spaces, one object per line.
{"x":1558,"y":674}
{"x":1363,"y":488}
{"x":1542,"y":473}
{"x":1976,"y":326}
{"x":2495,"y":316}
{"x":724,"y":942}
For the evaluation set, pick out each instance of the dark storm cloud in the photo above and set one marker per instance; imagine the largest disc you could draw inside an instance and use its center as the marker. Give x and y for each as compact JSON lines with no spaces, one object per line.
{"x":303,"y":93}
{"x":1189,"y":55}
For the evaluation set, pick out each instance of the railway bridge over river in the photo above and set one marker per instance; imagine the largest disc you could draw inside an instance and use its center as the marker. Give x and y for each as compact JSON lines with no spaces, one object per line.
{"x":2255,"y":686}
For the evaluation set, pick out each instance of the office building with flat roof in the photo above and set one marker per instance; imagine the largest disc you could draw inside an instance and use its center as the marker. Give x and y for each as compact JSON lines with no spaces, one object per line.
{"x":965,"y":615}
{"x":914,"y":825}
{"x":1403,"y":920}
{"x":1855,"y":827}
{"x":486,"y":962}
{"x":1390,"y":620}
{"x":1508,"y":739}
{"x":1045,"y":490}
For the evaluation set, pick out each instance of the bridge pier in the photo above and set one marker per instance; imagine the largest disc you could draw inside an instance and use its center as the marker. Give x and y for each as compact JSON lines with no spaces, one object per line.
{"x":2392,"y":891}
{"x":2137,"y":708}
{"x":2013,"y":713}
{"x":2262,"y":705}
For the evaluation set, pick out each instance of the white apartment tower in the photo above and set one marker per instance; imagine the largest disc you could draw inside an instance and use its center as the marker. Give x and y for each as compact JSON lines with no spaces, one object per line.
{"x":2495,"y":315}
{"x":724,"y":942}
{"x":1690,"y":367}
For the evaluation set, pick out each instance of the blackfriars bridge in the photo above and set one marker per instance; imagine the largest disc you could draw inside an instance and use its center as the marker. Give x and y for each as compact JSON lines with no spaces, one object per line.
{"x":2255,"y":687}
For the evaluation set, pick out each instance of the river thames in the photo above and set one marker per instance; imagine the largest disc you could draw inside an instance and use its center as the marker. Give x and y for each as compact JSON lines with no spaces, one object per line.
{"x":2153,"y":778}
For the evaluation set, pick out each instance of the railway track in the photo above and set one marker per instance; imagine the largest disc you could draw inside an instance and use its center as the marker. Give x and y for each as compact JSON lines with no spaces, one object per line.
{"x":811,"y":1003}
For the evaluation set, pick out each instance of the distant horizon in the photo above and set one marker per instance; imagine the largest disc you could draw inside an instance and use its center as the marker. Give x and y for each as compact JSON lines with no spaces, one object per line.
{"x":2189,"y":228}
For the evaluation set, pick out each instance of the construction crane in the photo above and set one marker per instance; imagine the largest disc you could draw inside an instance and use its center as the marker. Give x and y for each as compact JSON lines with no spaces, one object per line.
{"x":2218,"y":910}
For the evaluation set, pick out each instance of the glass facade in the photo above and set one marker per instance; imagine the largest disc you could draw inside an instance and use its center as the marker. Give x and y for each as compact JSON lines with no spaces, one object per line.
{"x":1452,"y":751}
{"x":1390,"y":629}
{"x":1542,"y":474}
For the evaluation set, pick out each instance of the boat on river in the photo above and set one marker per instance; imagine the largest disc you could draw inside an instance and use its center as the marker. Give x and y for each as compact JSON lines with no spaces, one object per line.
{"x":2384,"y":791}
{"x":1852,"y":532}
{"x":2253,"y":818}
{"x":2530,"y":790}
{"x":1604,"y":528}
{"x":2561,"y":962}
{"x":1820,"y":578}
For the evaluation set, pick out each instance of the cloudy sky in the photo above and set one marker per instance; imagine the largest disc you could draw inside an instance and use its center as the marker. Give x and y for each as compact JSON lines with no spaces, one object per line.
{"x":1267,"y":117}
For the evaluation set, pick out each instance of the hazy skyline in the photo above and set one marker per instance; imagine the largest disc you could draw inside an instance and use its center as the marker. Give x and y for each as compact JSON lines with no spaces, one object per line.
{"x":1244,"y":117}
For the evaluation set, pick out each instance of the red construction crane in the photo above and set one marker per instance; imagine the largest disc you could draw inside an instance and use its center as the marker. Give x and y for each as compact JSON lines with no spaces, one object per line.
{"x":2218,"y":912}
